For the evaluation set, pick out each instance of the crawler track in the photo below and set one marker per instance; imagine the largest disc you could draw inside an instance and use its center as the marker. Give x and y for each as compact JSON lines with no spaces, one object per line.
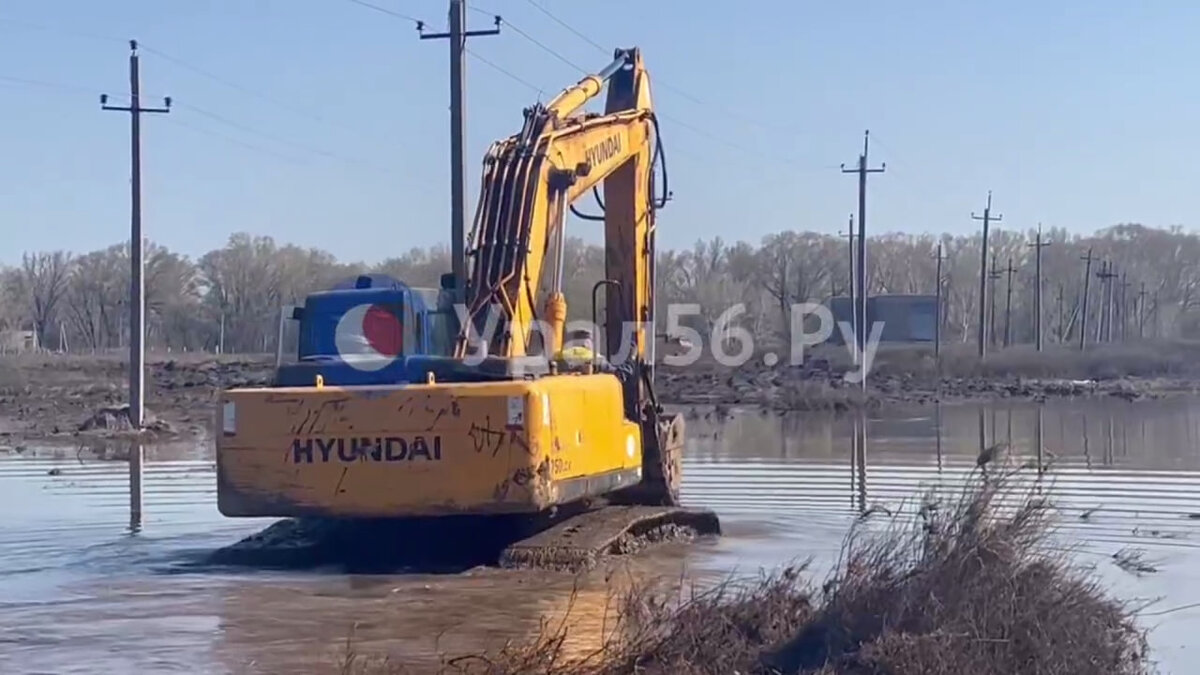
{"x":583,"y":540}
{"x":572,"y":540}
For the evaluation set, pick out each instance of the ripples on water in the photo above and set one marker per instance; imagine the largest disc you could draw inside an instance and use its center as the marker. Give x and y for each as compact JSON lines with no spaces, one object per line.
{"x":79,"y":587}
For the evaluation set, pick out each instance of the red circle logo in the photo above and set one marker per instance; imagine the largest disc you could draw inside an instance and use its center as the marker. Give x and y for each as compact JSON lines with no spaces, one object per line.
{"x":369,"y":337}
{"x":383,"y":331}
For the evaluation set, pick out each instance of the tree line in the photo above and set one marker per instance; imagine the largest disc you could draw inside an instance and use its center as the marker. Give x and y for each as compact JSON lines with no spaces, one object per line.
{"x":79,"y":302}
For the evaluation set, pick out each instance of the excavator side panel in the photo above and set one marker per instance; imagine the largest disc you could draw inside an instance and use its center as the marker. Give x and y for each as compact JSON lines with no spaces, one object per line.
{"x":423,"y":450}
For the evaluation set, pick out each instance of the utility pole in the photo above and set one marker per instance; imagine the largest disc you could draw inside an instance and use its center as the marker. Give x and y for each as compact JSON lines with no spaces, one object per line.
{"x":1061,"y":336}
{"x":1141,"y":312}
{"x":1083,"y":317}
{"x":1010,"y":270}
{"x":137,"y":286}
{"x":1124,"y":304}
{"x":850,"y":266}
{"x":1037,"y":292}
{"x":937,"y":323}
{"x":1106,"y":274}
{"x":983,"y":273}
{"x":457,"y":35}
{"x":1157,"y":321}
{"x":994,"y":276}
{"x":862,"y":325}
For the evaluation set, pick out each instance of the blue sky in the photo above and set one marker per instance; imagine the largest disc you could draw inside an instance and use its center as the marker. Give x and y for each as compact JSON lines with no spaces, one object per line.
{"x":325,"y":123}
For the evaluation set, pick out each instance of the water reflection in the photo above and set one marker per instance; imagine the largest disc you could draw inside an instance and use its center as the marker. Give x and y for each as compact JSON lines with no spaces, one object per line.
{"x":137,"y":456}
{"x":1135,"y":462}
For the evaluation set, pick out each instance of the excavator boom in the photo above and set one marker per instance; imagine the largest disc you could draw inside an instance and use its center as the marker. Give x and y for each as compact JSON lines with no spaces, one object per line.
{"x":530,"y":180}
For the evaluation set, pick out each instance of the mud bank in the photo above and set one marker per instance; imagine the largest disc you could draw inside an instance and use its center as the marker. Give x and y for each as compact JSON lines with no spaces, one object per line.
{"x":80,"y":399}
{"x":827,"y":380}
{"x":84,"y":399}
{"x":800,"y":390}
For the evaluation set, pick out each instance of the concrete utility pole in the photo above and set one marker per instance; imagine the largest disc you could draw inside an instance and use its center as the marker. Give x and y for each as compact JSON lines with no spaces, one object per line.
{"x":1083,"y":316}
{"x":937,"y":323}
{"x":853,"y":313}
{"x":1141,"y":311}
{"x":137,"y":287}
{"x":457,"y":35}
{"x":862,"y":325}
{"x":1157,"y":326}
{"x":1038,"y":245}
{"x":994,"y":276}
{"x":1010,"y":270}
{"x":1124,"y":305}
{"x":1061,"y":325}
{"x":1106,"y":275}
{"x":983,"y":273}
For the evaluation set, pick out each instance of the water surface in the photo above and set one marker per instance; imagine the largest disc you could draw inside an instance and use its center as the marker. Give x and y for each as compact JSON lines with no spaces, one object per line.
{"x":82,"y":591}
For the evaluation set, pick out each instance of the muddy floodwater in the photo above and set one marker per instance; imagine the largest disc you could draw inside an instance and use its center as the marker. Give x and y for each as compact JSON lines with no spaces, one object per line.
{"x":85,"y":588}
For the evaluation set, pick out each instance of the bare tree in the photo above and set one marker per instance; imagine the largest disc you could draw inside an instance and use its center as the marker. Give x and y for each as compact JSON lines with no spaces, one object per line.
{"x":40,"y":282}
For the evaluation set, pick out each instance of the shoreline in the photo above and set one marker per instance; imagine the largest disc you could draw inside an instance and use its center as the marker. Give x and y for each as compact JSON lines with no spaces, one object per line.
{"x":54,"y":399}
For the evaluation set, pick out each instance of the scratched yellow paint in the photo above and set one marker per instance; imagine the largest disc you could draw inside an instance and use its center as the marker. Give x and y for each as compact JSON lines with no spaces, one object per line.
{"x":428,"y":449}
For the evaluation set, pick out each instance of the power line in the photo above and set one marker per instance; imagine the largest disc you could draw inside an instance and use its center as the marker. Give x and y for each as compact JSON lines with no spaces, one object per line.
{"x":279,"y":139}
{"x":65,"y":31}
{"x":235,"y":141}
{"x":186,"y":65}
{"x":221,"y":119}
{"x":659,"y":82}
{"x":508,"y":73}
{"x":385,"y":10}
{"x":669,"y":118}
{"x":566,"y":25}
{"x":49,"y":85}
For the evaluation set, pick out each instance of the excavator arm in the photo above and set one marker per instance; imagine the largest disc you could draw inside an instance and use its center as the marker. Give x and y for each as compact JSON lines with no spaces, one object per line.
{"x":530,"y":180}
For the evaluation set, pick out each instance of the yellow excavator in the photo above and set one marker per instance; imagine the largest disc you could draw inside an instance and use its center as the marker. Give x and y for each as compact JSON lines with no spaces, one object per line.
{"x":403,"y":405}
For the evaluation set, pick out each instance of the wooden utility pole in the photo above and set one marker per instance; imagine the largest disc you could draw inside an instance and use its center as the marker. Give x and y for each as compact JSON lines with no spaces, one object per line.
{"x":983,"y":273}
{"x":862,"y":325}
{"x":937,"y":323}
{"x":1010,"y":270}
{"x":137,"y":264}
{"x":457,"y":35}
{"x":1083,"y":316}
{"x":1037,"y":291}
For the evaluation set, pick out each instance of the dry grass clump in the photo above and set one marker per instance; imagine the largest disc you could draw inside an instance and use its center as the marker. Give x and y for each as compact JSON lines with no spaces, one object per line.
{"x":972,"y":588}
{"x":966,"y":586}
